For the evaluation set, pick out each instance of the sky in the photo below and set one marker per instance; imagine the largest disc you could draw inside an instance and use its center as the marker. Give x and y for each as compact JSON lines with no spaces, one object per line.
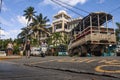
{"x":12,"y":19}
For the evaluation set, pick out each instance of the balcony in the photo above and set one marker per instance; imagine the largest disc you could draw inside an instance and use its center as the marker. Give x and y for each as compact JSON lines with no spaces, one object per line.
{"x":60,"y":19}
{"x":68,"y":30}
{"x":59,"y":30}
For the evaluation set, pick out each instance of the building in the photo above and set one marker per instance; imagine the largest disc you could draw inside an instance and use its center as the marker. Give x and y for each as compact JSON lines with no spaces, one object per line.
{"x":60,"y":21}
{"x":63,"y":23}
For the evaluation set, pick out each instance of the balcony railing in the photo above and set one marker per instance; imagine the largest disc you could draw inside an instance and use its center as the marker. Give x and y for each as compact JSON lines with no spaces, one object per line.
{"x":60,"y":19}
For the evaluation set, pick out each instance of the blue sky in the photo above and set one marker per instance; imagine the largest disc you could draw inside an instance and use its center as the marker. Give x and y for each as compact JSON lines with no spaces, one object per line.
{"x":12,"y":19}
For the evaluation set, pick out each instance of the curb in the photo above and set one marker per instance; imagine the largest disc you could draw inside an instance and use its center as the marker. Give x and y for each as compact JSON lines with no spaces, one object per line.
{"x":74,"y":71}
{"x":10,"y":57}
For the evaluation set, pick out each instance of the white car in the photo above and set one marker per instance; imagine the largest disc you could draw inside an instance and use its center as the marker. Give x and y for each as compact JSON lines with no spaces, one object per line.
{"x":35,"y":51}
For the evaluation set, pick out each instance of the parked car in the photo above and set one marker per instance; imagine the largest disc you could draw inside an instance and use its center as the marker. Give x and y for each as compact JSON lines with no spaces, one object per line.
{"x":36,"y":51}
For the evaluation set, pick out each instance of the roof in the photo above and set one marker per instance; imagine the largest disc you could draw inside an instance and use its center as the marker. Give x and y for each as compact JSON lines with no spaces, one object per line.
{"x":60,"y":13}
{"x":94,"y":15}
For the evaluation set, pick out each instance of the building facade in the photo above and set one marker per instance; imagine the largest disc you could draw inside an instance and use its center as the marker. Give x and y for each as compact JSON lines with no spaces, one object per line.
{"x":62,"y":23}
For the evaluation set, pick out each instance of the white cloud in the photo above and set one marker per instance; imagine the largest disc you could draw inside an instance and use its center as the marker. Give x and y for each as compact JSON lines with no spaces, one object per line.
{"x":71,"y":2}
{"x":74,"y":2}
{"x":2,"y":32}
{"x":5,"y":22}
{"x":22,"y":20}
{"x":10,"y":31}
{"x":10,"y":34}
{"x":4,"y":7}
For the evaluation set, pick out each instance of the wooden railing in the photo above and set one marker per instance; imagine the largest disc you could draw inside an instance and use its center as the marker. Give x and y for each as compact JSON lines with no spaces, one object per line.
{"x":99,"y":33}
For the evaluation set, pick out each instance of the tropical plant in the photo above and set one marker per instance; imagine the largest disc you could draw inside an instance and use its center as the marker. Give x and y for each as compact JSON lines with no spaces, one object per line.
{"x":56,"y":39}
{"x":38,"y":24}
{"x":29,"y":13}
{"x":35,"y":26}
{"x":24,"y":33}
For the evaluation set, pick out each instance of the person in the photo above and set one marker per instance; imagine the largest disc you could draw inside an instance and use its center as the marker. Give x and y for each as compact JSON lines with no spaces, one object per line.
{"x":27,"y":48}
{"x":43,"y":48}
{"x":10,"y":48}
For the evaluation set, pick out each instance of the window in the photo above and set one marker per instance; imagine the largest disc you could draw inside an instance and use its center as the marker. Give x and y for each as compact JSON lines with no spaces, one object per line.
{"x":59,"y":26}
{"x":65,"y":26}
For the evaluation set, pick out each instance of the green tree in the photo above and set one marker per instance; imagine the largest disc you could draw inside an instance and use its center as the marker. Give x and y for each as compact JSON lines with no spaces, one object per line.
{"x":56,"y":39}
{"x":38,"y":25}
{"x":35,"y":25}
{"x":29,"y":13}
{"x":25,"y":32}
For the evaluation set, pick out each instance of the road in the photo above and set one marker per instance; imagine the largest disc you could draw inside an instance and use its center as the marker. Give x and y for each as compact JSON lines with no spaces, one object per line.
{"x":61,"y":68}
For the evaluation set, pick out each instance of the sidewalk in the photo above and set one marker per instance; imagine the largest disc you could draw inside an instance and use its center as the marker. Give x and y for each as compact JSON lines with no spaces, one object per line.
{"x":10,"y":57}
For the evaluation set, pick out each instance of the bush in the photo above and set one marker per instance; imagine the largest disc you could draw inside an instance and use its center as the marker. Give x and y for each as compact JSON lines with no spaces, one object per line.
{"x":16,"y":50}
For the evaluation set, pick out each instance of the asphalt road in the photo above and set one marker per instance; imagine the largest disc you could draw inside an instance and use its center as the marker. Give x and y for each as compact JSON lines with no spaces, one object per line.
{"x":61,"y":68}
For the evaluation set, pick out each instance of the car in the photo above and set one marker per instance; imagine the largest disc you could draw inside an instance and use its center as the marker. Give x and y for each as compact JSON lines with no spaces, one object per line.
{"x":2,"y":53}
{"x":35,"y":51}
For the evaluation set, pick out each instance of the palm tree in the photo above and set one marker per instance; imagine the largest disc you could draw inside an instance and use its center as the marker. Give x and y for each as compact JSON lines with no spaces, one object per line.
{"x":24,"y":33}
{"x":39,"y":23}
{"x":118,"y":31}
{"x":56,"y":39}
{"x":29,"y":13}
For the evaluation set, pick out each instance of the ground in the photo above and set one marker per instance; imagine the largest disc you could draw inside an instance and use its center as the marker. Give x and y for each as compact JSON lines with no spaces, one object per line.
{"x":61,"y":68}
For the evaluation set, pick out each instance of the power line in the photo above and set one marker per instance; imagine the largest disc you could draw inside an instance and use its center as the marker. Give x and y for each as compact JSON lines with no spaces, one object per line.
{"x":114,"y":9}
{"x":72,"y":6}
{"x":67,"y":8}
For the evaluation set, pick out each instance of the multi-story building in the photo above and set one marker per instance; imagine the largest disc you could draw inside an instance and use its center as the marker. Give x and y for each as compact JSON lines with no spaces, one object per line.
{"x":62,"y":23}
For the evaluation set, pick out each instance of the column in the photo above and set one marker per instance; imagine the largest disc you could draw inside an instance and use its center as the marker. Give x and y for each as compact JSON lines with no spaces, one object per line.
{"x":98,"y":22}
{"x":106,"y":24}
{"x":113,"y":24}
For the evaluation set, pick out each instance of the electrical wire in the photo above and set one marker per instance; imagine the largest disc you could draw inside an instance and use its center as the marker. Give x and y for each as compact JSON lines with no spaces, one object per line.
{"x":114,"y":9}
{"x":67,"y":8}
{"x":72,"y":6}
